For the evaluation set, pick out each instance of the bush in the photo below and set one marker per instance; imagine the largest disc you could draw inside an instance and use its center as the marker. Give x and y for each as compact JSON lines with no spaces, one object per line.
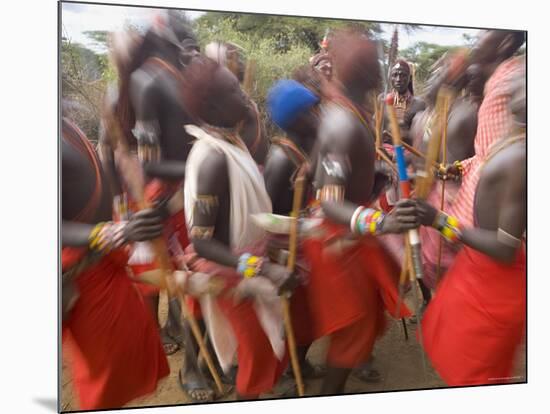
{"x":272,"y":61}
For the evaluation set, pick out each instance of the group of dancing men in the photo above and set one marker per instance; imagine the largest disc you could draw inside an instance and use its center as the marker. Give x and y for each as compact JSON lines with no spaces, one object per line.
{"x":186,"y":191}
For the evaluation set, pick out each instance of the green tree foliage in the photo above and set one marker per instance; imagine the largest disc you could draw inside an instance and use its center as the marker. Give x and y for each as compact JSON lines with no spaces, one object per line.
{"x":424,"y":55}
{"x":84,"y":76}
{"x":286,"y":31}
{"x":278,"y":44}
{"x":100,"y":37}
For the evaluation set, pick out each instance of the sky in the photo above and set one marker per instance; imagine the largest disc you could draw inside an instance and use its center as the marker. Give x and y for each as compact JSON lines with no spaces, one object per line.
{"x":78,"y":18}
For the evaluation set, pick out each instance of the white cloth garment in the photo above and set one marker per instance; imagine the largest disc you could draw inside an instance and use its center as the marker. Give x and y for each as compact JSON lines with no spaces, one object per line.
{"x":248,"y":196}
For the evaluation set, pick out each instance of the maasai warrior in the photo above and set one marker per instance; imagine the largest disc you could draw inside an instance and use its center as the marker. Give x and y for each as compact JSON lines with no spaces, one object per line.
{"x":474,"y":325}
{"x":150,"y":110}
{"x":405,"y":103}
{"x":253,"y":132}
{"x":223,"y":187}
{"x":461,"y":131}
{"x":494,"y":53}
{"x":352,"y":279}
{"x":294,"y":109}
{"x":406,"y":107}
{"x":109,"y":336}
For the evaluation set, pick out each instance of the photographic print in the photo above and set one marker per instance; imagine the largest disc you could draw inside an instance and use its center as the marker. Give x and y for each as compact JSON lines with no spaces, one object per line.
{"x":260,"y":206}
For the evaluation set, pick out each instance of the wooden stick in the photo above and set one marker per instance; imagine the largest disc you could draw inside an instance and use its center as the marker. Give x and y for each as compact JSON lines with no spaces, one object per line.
{"x":293,"y":239}
{"x":442,"y":205}
{"x":385,"y":158}
{"x":412,"y":244}
{"x":377,"y":116}
{"x":414,"y":151}
{"x":163,"y":258}
{"x":404,"y":184}
{"x":403,"y":277}
{"x":424,"y":181}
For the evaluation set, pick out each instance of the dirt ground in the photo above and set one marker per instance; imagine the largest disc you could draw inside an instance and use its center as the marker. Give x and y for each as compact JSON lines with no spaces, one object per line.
{"x":399,"y":362}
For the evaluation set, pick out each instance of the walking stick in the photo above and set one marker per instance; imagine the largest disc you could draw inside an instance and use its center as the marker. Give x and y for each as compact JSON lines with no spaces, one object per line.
{"x":377,"y":120}
{"x":425,"y":177}
{"x":405,"y":186}
{"x":293,"y":239}
{"x":385,"y":158}
{"x":161,"y":249}
{"x":405,"y":270}
{"x":442,"y":205}
{"x":419,"y":154}
{"x":412,"y":245}
{"x":401,"y":287}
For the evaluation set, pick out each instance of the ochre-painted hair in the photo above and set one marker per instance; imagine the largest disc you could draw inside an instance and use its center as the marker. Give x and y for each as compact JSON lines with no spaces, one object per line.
{"x":198,"y":85}
{"x":355,"y":60}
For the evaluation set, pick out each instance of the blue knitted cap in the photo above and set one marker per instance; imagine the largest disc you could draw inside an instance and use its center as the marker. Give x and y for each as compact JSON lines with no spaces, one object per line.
{"x":287,"y":99}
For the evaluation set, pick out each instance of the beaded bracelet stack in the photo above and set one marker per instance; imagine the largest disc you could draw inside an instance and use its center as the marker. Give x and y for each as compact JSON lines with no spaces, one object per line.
{"x":366,"y":221}
{"x":249,"y":266}
{"x":106,"y":236}
{"x":448,"y":226}
{"x":458,"y":165}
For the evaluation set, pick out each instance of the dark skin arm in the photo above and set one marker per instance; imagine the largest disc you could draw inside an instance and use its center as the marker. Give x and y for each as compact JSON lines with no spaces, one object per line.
{"x":145,"y":225}
{"x":512,"y":218}
{"x":258,"y":147}
{"x":277,"y":173}
{"x":213,"y":181}
{"x":398,"y":220}
{"x":142,"y":226}
{"x":146,"y":99}
{"x":342,"y":212}
{"x":167,"y":170}
{"x":75,"y":234}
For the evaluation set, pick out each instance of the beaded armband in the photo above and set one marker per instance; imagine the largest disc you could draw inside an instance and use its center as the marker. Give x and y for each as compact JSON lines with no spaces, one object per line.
{"x":331,"y":192}
{"x":107,"y":236}
{"x":448,"y":226}
{"x":249,"y":266}
{"x":202,"y":232}
{"x":366,"y":221}
{"x":459,"y":167}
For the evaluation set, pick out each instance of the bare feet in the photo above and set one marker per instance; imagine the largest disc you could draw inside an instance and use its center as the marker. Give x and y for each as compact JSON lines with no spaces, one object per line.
{"x":196,"y":387}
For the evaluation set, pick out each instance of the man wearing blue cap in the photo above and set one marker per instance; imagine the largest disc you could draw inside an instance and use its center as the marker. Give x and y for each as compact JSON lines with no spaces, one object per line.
{"x":294,"y":109}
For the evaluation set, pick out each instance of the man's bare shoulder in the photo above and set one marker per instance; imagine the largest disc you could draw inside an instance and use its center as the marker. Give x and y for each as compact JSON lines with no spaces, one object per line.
{"x":278,"y":159}
{"x":510,"y":163}
{"x":338,"y":125}
{"x":147,"y":82}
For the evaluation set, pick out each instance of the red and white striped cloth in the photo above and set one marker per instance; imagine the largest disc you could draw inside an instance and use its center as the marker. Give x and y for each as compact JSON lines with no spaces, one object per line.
{"x":494,"y":123}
